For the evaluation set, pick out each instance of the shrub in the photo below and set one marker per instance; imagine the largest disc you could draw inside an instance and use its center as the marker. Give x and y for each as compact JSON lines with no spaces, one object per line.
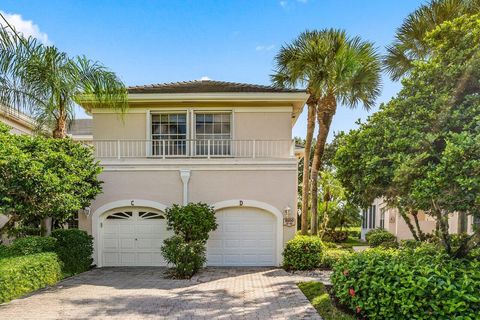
{"x":335,"y":236}
{"x":380,"y":237}
{"x":31,"y":245}
{"x":303,"y":253}
{"x":422,"y":283}
{"x":331,"y":256}
{"x":186,"y":249}
{"x":74,"y":248}
{"x":4,"y":251}
{"x":24,"y":274}
{"x":193,"y":222}
{"x":187,"y":257}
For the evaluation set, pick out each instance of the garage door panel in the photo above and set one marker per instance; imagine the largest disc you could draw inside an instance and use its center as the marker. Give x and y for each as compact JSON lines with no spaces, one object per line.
{"x":244,"y":237}
{"x":133,"y":239}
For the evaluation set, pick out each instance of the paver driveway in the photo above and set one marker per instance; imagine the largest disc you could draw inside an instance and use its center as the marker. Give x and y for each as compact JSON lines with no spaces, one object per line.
{"x":145,"y":293}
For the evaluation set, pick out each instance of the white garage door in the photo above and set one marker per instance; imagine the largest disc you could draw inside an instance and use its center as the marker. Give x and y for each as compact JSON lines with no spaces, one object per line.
{"x":244,"y":237}
{"x":133,"y":237}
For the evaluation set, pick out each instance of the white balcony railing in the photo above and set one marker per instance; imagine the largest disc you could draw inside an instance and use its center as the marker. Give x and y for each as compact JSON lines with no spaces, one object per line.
{"x":184,"y":148}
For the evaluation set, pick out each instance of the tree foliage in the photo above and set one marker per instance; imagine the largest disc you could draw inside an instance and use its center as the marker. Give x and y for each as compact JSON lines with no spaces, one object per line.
{"x":46,"y":82}
{"x":410,"y":42}
{"x":421,"y":151}
{"x":42,"y":177}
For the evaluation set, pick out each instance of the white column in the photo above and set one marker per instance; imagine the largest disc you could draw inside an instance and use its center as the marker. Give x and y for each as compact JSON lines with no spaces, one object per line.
{"x":185,"y":175}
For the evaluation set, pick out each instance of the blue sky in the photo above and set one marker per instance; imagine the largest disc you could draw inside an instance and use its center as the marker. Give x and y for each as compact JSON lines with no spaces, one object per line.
{"x":162,"y":41}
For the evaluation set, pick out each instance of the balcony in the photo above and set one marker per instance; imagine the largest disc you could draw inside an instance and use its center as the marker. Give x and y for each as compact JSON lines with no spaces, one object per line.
{"x":184,"y":148}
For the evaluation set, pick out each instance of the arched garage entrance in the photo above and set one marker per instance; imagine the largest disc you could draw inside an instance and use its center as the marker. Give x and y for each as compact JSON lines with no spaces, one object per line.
{"x":247,"y":235}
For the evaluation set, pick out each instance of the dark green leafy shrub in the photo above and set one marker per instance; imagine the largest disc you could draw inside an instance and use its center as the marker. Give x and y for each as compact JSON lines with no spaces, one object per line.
{"x":193,"y":222}
{"x":186,"y":249}
{"x":335,"y":236}
{"x":331,"y":256}
{"x":31,"y":245}
{"x":74,"y":248}
{"x":4,"y":251}
{"x":303,"y":253}
{"x":24,"y":274}
{"x":187,"y":257}
{"x":377,"y":237}
{"x":423,"y":283}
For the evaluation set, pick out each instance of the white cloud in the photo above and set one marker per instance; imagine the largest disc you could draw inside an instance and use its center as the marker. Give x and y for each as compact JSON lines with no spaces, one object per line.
{"x":265,"y":48}
{"x":25,"y":27}
{"x":283,"y":4}
{"x":205,"y":78}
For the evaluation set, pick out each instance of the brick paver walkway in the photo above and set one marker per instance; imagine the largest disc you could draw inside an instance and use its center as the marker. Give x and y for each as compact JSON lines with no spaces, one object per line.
{"x":145,"y":293}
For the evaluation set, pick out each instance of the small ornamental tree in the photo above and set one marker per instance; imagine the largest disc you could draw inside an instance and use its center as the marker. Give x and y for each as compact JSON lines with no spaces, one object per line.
{"x":43,"y":177}
{"x":186,"y":249}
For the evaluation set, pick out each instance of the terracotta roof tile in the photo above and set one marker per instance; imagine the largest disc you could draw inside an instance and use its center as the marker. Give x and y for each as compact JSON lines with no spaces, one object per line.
{"x":206,"y":86}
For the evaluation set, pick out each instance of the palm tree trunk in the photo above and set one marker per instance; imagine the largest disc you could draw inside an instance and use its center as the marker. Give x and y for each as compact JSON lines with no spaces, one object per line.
{"x":311,"y":103}
{"x":326,"y":110}
{"x":60,"y":131}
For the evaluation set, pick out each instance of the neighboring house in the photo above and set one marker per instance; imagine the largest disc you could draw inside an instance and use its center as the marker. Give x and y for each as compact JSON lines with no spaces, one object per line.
{"x":225,"y":144}
{"x":19,"y":122}
{"x":379,"y":215}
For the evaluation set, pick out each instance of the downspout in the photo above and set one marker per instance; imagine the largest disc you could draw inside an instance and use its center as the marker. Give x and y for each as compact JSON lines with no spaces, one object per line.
{"x":185,"y":176}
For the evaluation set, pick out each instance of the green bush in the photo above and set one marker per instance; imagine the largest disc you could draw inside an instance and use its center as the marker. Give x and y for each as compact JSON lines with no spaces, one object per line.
{"x":74,"y":248}
{"x":186,"y":249}
{"x":24,"y":274}
{"x":187,"y":257}
{"x":422,"y":283}
{"x":193,"y":222}
{"x":331,"y":256}
{"x":31,"y":245}
{"x":380,"y":237}
{"x":4,"y":251}
{"x":335,"y":236}
{"x":303,"y":253}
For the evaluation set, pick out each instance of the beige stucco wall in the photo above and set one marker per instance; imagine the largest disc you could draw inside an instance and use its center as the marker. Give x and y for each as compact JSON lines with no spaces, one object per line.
{"x":274,"y":187}
{"x":262,"y":126}
{"x":111,"y":126}
{"x":246,"y":125}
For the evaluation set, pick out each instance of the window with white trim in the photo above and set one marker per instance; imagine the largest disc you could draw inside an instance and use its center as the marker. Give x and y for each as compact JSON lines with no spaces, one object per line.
{"x":382,"y":218}
{"x":169,"y":134}
{"x":213,"y":133}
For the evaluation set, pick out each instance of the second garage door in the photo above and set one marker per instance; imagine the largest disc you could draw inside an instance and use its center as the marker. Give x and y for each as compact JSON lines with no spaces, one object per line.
{"x":244,"y":237}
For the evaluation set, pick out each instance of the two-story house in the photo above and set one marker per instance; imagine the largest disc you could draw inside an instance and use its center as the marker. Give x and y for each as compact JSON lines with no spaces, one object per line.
{"x":225,"y":144}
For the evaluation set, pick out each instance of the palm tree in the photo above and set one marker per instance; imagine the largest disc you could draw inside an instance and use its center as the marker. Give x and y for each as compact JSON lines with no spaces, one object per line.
{"x":410,"y":45}
{"x":351,"y":74}
{"x":46,"y":83}
{"x":334,"y":68}
{"x":294,"y":67}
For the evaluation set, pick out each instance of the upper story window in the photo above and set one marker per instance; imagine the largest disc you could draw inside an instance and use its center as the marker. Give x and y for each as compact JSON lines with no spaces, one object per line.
{"x":213,"y":134}
{"x":169,"y":134}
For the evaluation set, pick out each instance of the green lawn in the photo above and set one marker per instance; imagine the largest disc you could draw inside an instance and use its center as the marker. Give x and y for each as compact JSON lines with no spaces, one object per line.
{"x":318,"y":296}
{"x":350,"y":242}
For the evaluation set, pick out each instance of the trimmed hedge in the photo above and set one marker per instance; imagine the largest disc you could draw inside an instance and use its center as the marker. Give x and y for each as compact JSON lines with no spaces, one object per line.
{"x":303,"y":253}
{"x":74,"y":248}
{"x":31,"y":245}
{"x":380,"y":237}
{"x":421,"y":283}
{"x":331,"y":256}
{"x":23,"y":274}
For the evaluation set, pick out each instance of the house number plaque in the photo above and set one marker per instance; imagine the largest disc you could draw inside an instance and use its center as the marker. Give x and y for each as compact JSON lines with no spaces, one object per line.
{"x":288,"y":221}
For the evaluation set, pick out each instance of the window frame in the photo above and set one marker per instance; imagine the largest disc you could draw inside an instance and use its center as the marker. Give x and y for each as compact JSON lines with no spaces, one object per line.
{"x":151,"y":140}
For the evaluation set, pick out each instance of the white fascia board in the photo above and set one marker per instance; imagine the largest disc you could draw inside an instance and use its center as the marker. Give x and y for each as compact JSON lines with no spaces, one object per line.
{"x":236,"y":96}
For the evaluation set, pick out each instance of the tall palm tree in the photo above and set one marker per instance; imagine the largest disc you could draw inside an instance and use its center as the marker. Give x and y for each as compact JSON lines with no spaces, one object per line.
{"x":410,"y":45}
{"x":351,"y":76}
{"x":335,"y":68}
{"x":294,"y":67}
{"x":46,"y":83}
